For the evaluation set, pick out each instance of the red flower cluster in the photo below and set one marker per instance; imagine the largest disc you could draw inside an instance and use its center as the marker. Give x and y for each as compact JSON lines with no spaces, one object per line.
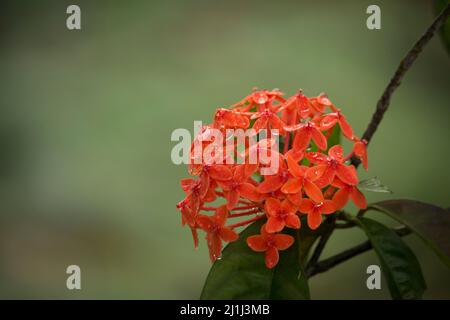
{"x":311,"y":178}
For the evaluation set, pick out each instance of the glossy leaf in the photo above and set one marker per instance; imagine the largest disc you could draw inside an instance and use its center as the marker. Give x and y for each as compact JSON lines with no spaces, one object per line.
{"x":242,"y":274}
{"x":429,"y":222}
{"x":398,"y":263}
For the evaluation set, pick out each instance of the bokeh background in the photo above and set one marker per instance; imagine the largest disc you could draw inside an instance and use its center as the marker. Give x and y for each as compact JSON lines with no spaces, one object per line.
{"x":86,"y":118}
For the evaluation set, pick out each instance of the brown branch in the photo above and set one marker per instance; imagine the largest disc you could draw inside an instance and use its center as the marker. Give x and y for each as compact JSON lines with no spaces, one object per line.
{"x":404,"y":66}
{"x":339,"y":258}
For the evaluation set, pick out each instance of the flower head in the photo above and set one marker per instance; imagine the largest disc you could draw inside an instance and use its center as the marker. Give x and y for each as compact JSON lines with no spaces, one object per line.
{"x":308,"y":176}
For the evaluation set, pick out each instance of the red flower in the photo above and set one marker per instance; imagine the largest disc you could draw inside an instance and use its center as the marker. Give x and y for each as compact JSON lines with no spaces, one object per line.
{"x":216,"y":231}
{"x":300,"y":104}
{"x":265,"y":118}
{"x":314,"y":210}
{"x":281,"y":214}
{"x":225,"y":118}
{"x":270,"y":244}
{"x":271,"y":184}
{"x":188,"y":216}
{"x":345,"y":192}
{"x":305,"y":132}
{"x":303,"y":178}
{"x":274,"y":182}
{"x":320,"y":102}
{"x":330,"y":120}
{"x":259,"y":99}
{"x":360,"y":151}
{"x":332,"y":165}
{"x":239,"y":186}
{"x":195,"y":190}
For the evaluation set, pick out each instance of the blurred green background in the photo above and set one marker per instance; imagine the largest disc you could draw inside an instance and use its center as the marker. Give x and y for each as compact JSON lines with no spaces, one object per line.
{"x":86,"y":117}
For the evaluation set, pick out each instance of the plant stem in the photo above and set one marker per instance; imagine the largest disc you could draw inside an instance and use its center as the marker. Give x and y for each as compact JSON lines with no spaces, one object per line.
{"x":333,"y":261}
{"x":405,"y":64}
{"x":243,"y":223}
{"x":245,"y":213}
{"x":321,"y":245}
{"x":246,"y":207}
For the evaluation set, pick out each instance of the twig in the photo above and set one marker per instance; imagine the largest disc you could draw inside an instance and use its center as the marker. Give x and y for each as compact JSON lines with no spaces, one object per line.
{"x":321,"y":245}
{"x":404,"y":66}
{"x":333,"y":261}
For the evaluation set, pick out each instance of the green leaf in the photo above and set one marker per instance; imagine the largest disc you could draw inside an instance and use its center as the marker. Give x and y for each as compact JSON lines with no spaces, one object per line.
{"x":399,"y":264}
{"x":335,"y":137}
{"x":242,"y":274}
{"x":429,"y":222}
{"x":439,"y":5}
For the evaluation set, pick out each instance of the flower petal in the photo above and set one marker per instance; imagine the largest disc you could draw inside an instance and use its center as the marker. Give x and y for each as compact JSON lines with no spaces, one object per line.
{"x":319,"y":138}
{"x":260,"y":124}
{"x":276,"y":123}
{"x":328,"y":207}
{"x":221,"y":215}
{"x":358,"y":198}
{"x":292,"y":221}
{"x":250,"y":169}
{"x":232,"y":197}
{"x":336,"y":152}
{"x":314,"y":219}
{"x":340,"y":198}
{"x":204,"y":185}
{"x":312,"y":191}
{"x":270,"y":184}
{"x":306,"y":206}
{"x":225,"y":185}
{"x":346,"y":128}
{"x":302,"y":139}
{"x":347,"y":174}
{"x":228,"y":235}
{"x":186,"y":184}
{"x":272,"y":257}
{"x":294,"y":168}
{"x":283,"y":241}
{"x":288,"y":207}
{"x":194,"y":236}
{"x":248,"y":191}
{"x":293,"y":185}
{"x":326,"y":178}
{"x":295,"y":198}
{"x":273,"y":206}
{"x":257,"y":243}
{"x":204,"y":222}
{"x":239,"y":173}
{"x":220,"y":172}
{"x":274,"y":224}
{"x":314,"y":173}
{"x":214,"y":245}
{"x":360,"y":150}
{"x":316,"y":157}
{"x":328,"y":121}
